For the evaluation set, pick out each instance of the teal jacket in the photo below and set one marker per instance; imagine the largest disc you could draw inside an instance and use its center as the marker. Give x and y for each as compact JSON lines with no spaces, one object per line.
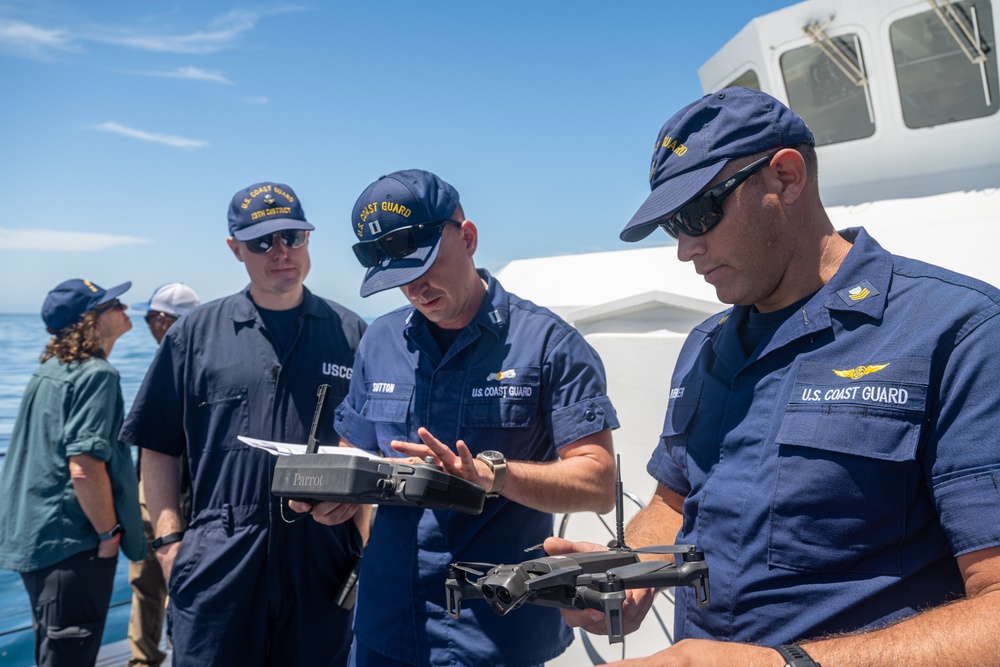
{"x":67,"y":410}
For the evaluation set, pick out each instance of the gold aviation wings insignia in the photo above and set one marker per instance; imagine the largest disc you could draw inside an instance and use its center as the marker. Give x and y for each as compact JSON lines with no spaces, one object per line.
{"x":860,"y":371}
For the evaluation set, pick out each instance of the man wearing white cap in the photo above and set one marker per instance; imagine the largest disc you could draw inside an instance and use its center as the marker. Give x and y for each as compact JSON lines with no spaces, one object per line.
{"x":149,"y":587}
{"x":168,"y":302}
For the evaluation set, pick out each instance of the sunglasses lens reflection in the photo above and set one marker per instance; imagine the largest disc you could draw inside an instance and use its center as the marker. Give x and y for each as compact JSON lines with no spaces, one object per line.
{"x":396,"y":244}
{"x":292,"y":238}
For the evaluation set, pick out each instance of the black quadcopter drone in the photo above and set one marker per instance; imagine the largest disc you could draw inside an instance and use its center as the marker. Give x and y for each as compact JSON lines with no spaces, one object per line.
{"x":596,"y":579}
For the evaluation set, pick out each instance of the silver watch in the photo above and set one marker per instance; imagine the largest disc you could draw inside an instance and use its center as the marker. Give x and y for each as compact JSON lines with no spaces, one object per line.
{"x":498,"y":464}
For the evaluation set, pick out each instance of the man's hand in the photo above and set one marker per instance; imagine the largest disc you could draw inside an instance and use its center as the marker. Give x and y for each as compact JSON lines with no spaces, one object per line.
{"x":326,"y":513}
{"x":462,"y":464}
{"x":705,"y":653}
{"x":634,"y":608}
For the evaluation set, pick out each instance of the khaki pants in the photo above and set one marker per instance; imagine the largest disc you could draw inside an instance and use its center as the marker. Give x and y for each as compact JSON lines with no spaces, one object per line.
{"x":149,"y":599}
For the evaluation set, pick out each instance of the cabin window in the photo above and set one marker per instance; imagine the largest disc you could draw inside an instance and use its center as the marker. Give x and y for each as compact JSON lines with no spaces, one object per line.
{"x":828,"y":87}
{"x":747,"y":80}
{"x":946,"y":63}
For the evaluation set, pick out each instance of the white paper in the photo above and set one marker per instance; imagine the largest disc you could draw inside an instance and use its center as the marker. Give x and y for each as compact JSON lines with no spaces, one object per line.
{"x":287,"y":449}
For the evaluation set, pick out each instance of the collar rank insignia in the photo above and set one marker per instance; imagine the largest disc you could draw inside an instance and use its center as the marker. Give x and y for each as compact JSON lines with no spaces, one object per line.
{"x":502,"y":375}
{"x":269,"y":199}
{"x":858,"y":293}
{"x":860,"y":371}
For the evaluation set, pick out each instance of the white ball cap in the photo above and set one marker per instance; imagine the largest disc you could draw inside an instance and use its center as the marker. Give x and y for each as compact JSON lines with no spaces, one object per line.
{"x":173,"y":298}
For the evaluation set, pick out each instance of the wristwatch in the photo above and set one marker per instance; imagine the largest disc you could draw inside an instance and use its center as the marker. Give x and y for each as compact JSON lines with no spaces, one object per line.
{"x":169,"y":538}
{"x":498,"y":464}
{"x":115,"y":530}
{"x":796,"y":656}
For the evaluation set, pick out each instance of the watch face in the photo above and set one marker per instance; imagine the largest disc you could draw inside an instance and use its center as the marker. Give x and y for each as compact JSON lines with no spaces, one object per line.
{"x":492,"y":455}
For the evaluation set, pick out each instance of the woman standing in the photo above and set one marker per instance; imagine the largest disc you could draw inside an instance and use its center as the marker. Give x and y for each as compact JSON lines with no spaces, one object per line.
{"x":68,"y":493}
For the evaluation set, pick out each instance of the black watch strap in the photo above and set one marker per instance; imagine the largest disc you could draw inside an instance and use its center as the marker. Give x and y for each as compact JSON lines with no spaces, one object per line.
{"x":796,"y":656}
{"x":169,"y":538}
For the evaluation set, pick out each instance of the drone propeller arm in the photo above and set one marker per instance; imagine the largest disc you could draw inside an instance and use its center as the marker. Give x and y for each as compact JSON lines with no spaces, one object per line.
{"x":611,"y":603}
{"x":458,"y":588}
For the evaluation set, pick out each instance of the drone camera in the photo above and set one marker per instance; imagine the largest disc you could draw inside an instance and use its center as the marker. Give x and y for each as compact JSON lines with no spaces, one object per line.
{"x":500,"y":599}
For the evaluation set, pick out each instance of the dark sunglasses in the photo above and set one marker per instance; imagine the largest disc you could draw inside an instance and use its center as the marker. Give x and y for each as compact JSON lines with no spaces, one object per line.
{"x":156,"y":314}
{"x":292,"y":238}
{"x":398,"y":243}
{"x":114,"y":304}
{"x":699,"y":215}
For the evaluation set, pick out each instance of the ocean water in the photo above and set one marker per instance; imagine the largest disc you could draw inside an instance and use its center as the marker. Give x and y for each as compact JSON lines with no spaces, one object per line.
{"x":22,"y":339}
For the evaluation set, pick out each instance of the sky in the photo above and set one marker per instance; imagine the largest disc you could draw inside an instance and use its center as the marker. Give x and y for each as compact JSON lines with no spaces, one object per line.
{"x":128,"y":126}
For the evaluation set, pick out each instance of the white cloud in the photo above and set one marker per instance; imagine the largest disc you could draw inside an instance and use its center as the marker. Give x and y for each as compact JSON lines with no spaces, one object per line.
{"x":26,"y":39}
{"x":165,"y":139}
{"x":259,"y":101}
{"x":226,"y":29}
{"x":31,"y":40}
{"x":61,"y":241}
{"x":194,"y":43}
{"x":192,"y":73}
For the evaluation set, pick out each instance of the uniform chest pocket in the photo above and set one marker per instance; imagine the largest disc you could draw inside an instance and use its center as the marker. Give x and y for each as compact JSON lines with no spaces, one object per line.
{"x":226,"y":416}
{"x":847,"y":471}
{"x":387,"y":402}
{"x":681,"y":409}
{"x":501,"y":399}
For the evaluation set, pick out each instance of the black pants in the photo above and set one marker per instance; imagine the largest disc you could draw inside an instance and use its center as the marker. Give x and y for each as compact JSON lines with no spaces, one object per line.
{"x":69,"y":605}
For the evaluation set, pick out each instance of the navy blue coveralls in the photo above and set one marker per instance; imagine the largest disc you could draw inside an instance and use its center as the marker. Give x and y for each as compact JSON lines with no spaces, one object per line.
{"x":518,"y":379}
{"x":833,"y":475}
{"x":246,"y":587}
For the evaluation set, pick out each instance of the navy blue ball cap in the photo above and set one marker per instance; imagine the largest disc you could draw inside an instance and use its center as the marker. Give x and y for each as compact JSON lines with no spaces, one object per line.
{"x":265,"y":208}
{"x":401,"y":199}
{"x":697,"y":142}
{"x":69,"y":300}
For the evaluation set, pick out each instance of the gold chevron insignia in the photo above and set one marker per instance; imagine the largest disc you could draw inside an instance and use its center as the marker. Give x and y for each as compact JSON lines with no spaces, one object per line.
{"x":858,"y":293}
{"x":860,"y":371}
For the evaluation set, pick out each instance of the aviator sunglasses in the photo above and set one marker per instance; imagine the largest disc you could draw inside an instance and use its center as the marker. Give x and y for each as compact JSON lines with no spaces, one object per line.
{"x":398,"y":243}
{"x":698,"y":216}
{"x":292,"y":238}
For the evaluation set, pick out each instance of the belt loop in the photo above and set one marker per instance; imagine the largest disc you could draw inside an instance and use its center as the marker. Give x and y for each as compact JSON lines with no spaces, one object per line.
{"x":228,"y":518}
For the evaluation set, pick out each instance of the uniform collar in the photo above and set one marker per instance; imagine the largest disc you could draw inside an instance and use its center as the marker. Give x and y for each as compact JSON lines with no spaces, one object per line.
{"x":493,"y":313}
{"x":245,"y":310}
{"x":861,"y":284}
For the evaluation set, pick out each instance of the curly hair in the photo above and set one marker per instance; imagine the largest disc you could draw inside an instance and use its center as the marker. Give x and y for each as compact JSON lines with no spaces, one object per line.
{"x":76,"y":342}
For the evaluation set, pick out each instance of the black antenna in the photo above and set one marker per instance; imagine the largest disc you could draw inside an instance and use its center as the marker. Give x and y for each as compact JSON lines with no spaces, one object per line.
{"x":312,"y":445}
{"x":619,"y":516}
